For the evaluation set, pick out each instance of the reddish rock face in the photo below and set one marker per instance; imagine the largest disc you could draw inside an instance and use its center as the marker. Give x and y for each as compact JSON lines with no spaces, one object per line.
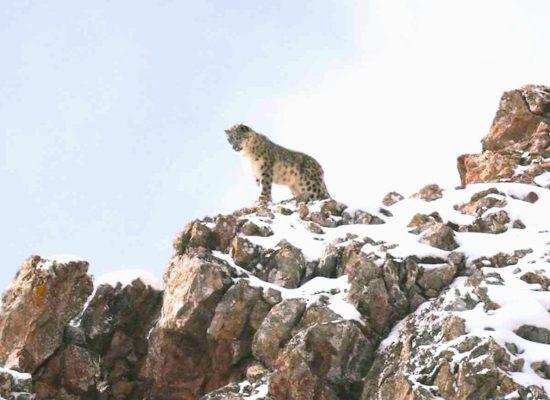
{"x":517,"y":146}
{"x":42,"y":299}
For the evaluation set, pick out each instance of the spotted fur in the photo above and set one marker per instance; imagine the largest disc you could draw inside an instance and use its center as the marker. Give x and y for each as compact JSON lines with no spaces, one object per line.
{"x":272,"y":163}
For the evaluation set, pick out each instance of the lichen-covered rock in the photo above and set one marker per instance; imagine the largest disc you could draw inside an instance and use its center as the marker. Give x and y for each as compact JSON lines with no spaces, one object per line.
{"x":42,"y":299}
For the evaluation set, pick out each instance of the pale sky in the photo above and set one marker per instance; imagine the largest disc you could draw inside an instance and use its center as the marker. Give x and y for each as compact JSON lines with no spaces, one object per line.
{"x":112,"y":113}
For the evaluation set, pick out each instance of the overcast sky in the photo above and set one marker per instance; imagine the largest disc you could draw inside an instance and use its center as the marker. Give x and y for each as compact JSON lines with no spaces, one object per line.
{"x":112,"y":113}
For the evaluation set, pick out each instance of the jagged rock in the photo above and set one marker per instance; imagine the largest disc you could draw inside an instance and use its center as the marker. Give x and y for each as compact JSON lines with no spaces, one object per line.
{"x":303,"y":211}
{"x":368,"y":292}
{"x":236,"y":319}
{"x":195,"y":234}
{"x":42,"y":299}
{"x":520,"y":113}
{"x":521,"y":126}
{"x":107,"y":343}
{"x":489,"y":166}
{"x":179,"y":364}
{"x":74,"y":370}
{"x":325,"y":361}
{"x":429,"y":193}
{"x":276,"y":329}
{"x":440,"y":236}
{"x":287,"y":266}
{"x":328,"y":263}
{"x":433,"y":278}
{"x":244,"y":253}
{"x":224,"y":231}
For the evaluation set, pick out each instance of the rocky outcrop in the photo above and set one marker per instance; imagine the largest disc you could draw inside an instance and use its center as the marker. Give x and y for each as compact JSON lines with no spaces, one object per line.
{"x":76,"y":342}
{"x":517,"y":147}
{"x":441,"y":295}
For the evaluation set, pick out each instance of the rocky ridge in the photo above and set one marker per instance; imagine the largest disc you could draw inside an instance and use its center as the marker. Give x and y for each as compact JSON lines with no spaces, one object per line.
{"x":444,"y":294}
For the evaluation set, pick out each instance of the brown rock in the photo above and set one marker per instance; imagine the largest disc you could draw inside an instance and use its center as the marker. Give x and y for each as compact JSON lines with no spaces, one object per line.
{"x":517,"y":118}
{"x":433,"y":278}
{"x":303,"y":211}
{"x":287,"y":266}
{"x":429,"y":193}
{"x":224,"y":231}
{"x":440,"y":236}
{"x":325,"y":361}
{"x":251,"y":229}
{"x":178,"y":362}
{"x":276,"y":330}
{"x":518,"y":136}
{"x":489,"y":166}
{"x":391,"y":198}
{"x":496,"y":222}
{"x":421,"y":222}
{"x":332,"y":207}
{"x":323,"y":219}
{"x":195,"y":234}
{"x":42,"y":299}
{"x":237,"y":317}
{"x":532,"y":277}
{"x":244,"y":253}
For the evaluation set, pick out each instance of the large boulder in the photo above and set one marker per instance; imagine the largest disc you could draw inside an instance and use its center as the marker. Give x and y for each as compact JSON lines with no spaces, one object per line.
{"x":44,"y":296}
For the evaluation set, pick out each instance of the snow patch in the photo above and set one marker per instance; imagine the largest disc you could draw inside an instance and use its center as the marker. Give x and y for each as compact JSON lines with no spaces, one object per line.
{"x":126,"y":276}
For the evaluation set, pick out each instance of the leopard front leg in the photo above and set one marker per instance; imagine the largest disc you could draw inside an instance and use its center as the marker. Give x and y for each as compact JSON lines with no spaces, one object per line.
{"x":266,"y":181}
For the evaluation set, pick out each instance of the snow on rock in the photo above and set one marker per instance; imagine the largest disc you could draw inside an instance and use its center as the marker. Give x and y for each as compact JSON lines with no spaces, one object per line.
{"x":326,"y":265}
{"x":14,"y":382}
{"x":491,"y":328}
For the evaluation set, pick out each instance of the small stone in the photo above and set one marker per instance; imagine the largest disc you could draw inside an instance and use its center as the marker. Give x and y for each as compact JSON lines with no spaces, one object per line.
{"x":314,"y":228}
{"x":391,"y":198}
{"x":429,"y":193}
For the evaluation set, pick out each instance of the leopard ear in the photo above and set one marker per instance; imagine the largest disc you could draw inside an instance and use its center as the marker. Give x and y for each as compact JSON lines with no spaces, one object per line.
{"x":245,"y":128}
